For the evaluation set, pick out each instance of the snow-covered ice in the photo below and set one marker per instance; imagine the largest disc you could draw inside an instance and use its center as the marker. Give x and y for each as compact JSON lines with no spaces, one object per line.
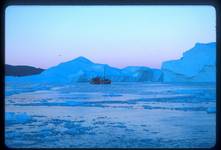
{"x":122,"y":114}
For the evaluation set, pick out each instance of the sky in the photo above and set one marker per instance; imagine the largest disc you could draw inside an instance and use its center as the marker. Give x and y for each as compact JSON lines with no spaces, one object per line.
{"x":45,"y":36}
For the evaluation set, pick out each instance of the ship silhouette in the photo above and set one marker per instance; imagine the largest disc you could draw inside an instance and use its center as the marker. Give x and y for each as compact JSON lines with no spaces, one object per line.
{"x":100,"y":80}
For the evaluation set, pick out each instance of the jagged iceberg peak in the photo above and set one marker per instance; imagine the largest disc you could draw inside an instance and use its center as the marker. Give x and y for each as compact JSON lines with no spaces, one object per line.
{"x":81,"y":59}
{"x":77,"y":62}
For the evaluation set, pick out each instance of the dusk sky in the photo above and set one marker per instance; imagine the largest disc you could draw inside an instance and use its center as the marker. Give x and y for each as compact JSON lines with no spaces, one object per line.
{"x":44,"y":36}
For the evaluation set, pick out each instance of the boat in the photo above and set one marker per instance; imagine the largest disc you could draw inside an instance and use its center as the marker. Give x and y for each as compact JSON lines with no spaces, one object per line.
{"x":99,"y":80}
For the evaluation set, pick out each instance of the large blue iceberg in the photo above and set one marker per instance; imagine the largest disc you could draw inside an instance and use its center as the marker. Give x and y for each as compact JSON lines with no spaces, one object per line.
{"x":82,"y":70}
{"x":197,"y":65}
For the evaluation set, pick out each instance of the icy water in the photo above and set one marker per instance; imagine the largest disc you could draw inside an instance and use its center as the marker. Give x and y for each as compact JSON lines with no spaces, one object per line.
{"x":124,"y":115}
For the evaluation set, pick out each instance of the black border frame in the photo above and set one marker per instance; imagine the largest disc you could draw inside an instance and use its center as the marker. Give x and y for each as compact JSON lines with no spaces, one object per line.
{"x":214,"y":3}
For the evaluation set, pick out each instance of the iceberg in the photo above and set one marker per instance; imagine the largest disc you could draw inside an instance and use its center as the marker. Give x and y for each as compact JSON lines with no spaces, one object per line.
{"x":197,"y":65}
{"x":140,"y":74}
{"x":82,"y":69}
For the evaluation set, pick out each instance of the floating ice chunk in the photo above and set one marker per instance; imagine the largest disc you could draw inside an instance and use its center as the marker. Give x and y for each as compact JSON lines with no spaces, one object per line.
{"x":13,"y":118}
{"x":211,"y":110}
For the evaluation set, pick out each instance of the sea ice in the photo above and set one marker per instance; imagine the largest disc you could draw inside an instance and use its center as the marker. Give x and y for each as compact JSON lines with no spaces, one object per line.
{"x":122,"y":114}
{"x":211,"y":110}
{"x":14,"y":118}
